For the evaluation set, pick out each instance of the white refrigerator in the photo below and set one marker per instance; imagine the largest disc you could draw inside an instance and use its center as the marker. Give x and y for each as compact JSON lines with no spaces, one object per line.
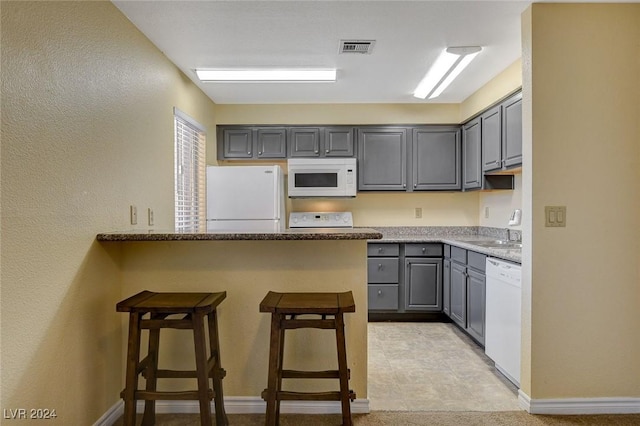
{"x":245,"y":199}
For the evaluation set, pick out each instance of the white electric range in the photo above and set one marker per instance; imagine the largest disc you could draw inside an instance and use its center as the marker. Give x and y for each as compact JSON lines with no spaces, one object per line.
{"x":323,"y":220}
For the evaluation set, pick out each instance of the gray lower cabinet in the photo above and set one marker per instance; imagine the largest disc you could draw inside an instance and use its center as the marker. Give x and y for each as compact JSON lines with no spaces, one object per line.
{"x":415,"y":288}
{"x":446,"y":281}
{"x":382,"y":159}
{"x":458,"y":294}
{"x":383,"y":277}
{"x":467,"y":288}
{"x":436,"y":158}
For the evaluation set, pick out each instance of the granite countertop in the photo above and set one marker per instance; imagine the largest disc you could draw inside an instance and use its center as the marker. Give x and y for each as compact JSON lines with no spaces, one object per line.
{"x":459,"y":236}
{"x":289,"y":234}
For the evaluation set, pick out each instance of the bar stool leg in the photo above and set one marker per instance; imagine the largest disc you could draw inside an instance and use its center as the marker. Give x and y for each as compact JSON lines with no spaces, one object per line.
{"x":217,"y":373}
{"x":201,"y":369}
{"x":151,"y":374}
{"x":274,"y":362}
{"x":343,"y":371}
{"x":133,"y":356}
{"x":280,"y":367}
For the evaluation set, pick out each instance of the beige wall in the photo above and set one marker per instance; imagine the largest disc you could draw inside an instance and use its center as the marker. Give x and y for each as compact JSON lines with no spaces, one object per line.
{"x":87,"y":130}
{"x":506,"y":82}
{"x":247,"y":270}
{"x":582,"y":150}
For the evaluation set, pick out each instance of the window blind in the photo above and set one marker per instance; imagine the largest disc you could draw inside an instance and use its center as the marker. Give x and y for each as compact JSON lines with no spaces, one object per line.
{"x":189,"y":171}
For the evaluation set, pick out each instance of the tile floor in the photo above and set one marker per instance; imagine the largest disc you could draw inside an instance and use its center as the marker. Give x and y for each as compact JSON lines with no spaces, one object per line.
{"x":432,"y":366}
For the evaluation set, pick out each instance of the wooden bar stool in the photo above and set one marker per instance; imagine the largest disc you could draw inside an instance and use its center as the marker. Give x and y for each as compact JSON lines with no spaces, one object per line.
{"x":192,"y":308}
{"x":284,"y":308}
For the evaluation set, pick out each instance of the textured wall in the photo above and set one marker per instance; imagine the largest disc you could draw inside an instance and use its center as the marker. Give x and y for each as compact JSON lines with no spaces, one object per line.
{"x":582,"y":282}
{"x":87,"y":130}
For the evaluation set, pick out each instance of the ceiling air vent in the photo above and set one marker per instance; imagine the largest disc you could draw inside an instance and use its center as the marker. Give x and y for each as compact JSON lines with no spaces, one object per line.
{"x":356,"y":46}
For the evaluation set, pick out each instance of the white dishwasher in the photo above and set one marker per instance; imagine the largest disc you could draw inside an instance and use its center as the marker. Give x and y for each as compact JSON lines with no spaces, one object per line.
{"x":503,"y":323}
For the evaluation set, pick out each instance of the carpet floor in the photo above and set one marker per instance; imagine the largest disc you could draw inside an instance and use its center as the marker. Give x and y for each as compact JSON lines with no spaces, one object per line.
{"x":400,"y":418}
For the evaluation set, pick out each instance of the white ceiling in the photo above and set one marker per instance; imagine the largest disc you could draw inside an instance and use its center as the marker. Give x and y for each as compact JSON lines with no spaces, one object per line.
{"x":409,"y":36}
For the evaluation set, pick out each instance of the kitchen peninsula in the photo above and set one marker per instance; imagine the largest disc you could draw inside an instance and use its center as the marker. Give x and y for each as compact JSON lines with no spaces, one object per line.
{"x":247,"y":266}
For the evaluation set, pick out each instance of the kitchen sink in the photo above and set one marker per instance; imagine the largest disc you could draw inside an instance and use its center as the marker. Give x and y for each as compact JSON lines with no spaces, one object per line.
{"x":506,"y":244}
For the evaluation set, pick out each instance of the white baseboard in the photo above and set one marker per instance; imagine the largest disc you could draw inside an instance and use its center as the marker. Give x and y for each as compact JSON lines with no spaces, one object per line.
{"x":579,"y":405}
{"x":238,"y":405}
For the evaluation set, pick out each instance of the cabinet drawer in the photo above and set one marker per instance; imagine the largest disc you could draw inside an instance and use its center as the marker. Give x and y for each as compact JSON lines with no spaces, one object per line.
{"x":458,"y":254}
{"x":382,"y":270}
{"x":378,"y":249}
{"x":476,"y":261}
{"x":429,"y":249}
{"x":383,"y":297}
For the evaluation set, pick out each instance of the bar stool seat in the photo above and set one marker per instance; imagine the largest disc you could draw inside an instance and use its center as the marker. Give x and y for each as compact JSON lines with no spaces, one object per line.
{"x":285,"y":309}
{"x":192,"y":309}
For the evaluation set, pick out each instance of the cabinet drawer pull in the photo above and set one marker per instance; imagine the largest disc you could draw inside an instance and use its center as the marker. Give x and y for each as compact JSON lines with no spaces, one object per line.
{"x":380,"y":249}
{"x":327,"y":151}
{"x":424,"y":249}
{"x":379,"y":292}
{"x":380,"y":267}
{"x":259,"y":152}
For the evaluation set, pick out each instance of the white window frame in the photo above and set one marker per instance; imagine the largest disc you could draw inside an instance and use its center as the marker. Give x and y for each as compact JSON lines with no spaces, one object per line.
{"x":189,"y":173}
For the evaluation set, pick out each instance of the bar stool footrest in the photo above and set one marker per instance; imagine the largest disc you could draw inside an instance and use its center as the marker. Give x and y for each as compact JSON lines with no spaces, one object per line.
{"x":156,"y":395}
{"x":327,"y":374}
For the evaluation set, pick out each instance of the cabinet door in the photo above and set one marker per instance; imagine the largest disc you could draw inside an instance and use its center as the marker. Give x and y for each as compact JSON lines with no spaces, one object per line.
{"x":382,"y":159}
{"x":458,"y":296}
{"x":476,"y":305}
{"x":304,"y":142}
{"x":272,"y":143}
{"x":436,"y":159}
{"x":472,"y":154}
{"x":338,"y":142}
{"x":237,"y":143}
{"x":446,"y":287}
{"x":492,"y":139}
{"x":512,"y":131}
{"x":423,"y":284}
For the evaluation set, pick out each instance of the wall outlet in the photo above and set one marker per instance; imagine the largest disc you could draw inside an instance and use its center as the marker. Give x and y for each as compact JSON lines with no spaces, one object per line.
{"x":486,"y":212}
{"x":150,"y":216}
{"x":418,"y":212}
{"x":133,"y":212}
{"x":555,"y":216}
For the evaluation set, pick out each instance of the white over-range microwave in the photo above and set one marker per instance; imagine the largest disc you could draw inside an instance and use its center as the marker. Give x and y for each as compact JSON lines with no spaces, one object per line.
{"x":322,"y":177}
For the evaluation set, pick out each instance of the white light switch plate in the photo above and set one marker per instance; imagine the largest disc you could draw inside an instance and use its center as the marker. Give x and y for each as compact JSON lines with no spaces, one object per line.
{"x":555,"y":216}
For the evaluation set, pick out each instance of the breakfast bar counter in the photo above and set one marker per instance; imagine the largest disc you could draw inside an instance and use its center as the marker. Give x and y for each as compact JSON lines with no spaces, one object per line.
{"x":247,"y":266}
{"x":289,"y":234}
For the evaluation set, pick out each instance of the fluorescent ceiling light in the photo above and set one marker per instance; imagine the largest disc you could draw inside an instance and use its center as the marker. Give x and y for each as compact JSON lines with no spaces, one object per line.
{"x":270,"y":75}
{"x":446,"y":68}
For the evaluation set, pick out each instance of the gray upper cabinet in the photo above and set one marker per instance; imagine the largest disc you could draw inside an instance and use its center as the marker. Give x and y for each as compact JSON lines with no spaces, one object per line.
{"x":339,"y":141}
{"x":502,"y":135}
{"x":492,"y":139}
{"x":336,"y":141}
{"x":471,"y":153}
{"x":252,"y":143}
{"x":436,"y":158}
{"x":271,"y":143}
{"x":304,"y":142}
{"x":237,"y":143}
{"x":512,"y":131}
{"x":382,"y":159}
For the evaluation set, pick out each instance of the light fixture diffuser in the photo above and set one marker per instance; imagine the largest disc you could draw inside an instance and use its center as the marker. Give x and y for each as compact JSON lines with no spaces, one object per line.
{"x":267,"y":75}
{"x":445,"y":69}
